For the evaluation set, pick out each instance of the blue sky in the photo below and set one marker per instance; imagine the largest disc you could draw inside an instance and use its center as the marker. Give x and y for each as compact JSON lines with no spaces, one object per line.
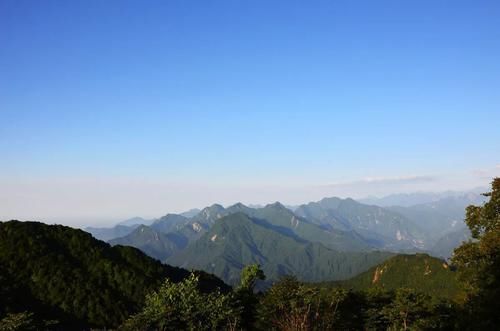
{"x":241,"y":100}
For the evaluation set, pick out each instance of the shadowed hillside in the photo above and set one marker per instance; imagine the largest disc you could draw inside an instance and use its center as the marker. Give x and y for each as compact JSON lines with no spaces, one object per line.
{"x":66,"y":275}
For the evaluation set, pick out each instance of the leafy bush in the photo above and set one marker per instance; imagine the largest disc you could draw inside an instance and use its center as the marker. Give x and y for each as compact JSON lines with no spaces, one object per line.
{"x":182,"y":306}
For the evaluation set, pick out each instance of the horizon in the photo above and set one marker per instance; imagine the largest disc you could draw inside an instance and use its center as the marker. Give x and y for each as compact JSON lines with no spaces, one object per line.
{"x":110,"y":110}
{"x":107,"y":222}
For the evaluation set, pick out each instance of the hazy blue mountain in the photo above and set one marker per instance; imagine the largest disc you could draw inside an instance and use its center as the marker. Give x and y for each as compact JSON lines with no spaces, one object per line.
{"x":111,"y":233}
{"x":238,"y":239}
{"x":404,"y":199}
{"x":197,"y":225}
{"x":135,"y":221}
{"x":165,"y":224}
{"x":416,"y":198}
{"x":170,"y":233}
{"x":380,"y":227}
{"x":154,"y":243}
{"x":440,"y":217}
{"x":169,"y":223}
{"x":445,"y":245}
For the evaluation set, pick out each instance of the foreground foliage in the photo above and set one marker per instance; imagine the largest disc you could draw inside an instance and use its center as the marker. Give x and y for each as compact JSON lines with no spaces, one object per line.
{"x":291,"y":305}
{"x":183,"y":306}
{"x":478,"y":262}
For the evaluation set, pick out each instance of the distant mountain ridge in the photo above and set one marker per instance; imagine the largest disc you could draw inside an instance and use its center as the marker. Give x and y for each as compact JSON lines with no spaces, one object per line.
{"x":445,"y":245}
{"x":181,"y":241}
{"x":106,"y":234}
{"x":172,"y":233}
{"x":237,"y":240}
{"x":154,"y":243}
{"x":381,"y":227}
{"x":331,"y":224}
{"x":135,"y":221}
{"x":417,"y":198}
{"x":441,"y":216}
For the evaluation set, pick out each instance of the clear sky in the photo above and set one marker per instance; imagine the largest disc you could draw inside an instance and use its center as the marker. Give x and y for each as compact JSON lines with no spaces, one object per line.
{"x":110,"y":109}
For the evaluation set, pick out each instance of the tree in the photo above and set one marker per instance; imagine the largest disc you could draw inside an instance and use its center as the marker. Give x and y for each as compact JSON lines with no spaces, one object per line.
{"x":291,"y":305}
{"x":245,"y":297}
{"x":407,"y":307}
{"x":182,"y":306}
{"x":249,"y":277}
{"x":478,"y":262}
{"x":283,"y":307}
{"x":376,"y":298}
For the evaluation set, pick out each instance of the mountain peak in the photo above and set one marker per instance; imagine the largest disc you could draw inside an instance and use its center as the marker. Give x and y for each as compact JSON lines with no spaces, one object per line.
{"x":134,"y":221}
{"x":276,"y":205}
{"x":170,"y":217}
{"x":143,"y":228}
{"x":215,"y":207}
{"x":332,"y":202}
{"x":238,"y":205}
{"x":212,"y":212}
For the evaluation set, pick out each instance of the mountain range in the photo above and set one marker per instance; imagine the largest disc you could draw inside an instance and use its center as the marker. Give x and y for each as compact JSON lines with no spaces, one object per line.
{"x":418,"y":198}
{"x":381,"y":227}
{"x":330,"y":239}
{"x":237,"y":240}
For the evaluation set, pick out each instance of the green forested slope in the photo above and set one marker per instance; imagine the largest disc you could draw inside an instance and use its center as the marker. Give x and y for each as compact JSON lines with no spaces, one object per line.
{"x":286,"y":221}
{"x":420,"y":272}
{"x":154,"y":243}
{"x":238,"y":240}
{"x":65,"y":274}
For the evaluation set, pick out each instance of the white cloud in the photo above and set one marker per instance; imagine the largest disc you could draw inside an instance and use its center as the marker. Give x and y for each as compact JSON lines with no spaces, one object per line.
{"x":386,"y":180}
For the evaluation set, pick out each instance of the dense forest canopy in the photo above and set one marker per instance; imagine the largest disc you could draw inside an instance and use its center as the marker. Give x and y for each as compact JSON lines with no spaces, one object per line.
{"x":65,"y":274}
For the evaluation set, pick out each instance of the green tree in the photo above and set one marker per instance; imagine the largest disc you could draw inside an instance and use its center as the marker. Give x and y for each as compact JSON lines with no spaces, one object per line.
{"x":249,"y":277}
{"x":291,"y":305}
{"x":245,"y":296}
{"x":182,"y":306}
{"x":478,"y":262}
{"x":376,"y":299}
{"x":407,"y":308}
